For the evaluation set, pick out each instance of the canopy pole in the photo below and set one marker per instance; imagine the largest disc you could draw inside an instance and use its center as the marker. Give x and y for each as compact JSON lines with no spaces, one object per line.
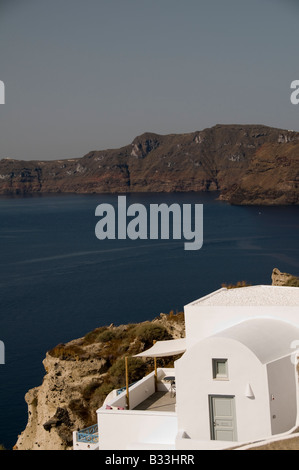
{"x":127,"y":383}
{"x":156,"y":370}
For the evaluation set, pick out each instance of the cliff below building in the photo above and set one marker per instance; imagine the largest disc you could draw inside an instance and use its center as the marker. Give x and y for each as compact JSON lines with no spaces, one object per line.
{"x":80,"y":374}
{"x":247,"y":164}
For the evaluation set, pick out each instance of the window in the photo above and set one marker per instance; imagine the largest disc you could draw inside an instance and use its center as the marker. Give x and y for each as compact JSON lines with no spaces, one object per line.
{"x":220,"y":369}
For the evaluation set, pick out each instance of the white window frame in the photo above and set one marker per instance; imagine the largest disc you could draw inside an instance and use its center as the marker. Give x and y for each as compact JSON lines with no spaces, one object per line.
{"x":217,"y":376}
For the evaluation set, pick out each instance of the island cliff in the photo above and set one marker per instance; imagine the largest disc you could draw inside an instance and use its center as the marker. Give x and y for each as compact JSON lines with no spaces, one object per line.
{"x":247,"y":164}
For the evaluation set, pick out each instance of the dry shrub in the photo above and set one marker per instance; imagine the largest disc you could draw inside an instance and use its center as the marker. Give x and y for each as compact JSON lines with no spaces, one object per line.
{"x":90,"y":389}
{"x":137,"y":369}
{"x":148,"y":332}
{"x":68,"y":353}
{"x":106,"y":336}
{"x":101,"y":393}
{"x":236,"y":286}
{"x":92,"y":336}
{"x":79,"y":409}
{"x":178,"y":317}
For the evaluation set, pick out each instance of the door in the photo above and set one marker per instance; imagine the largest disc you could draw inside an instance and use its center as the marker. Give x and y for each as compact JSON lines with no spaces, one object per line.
{"x":223,"y":418}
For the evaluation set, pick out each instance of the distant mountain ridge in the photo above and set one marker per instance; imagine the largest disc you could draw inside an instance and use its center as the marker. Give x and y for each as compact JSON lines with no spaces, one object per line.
{"x":247,"y":164}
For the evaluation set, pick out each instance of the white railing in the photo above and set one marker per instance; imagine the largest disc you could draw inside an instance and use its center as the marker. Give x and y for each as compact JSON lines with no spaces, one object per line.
{"x":128,"y":429}
{"x":115,"y":418}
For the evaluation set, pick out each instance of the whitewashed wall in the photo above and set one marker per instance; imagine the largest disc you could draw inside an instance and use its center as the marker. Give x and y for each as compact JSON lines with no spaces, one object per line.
{"x":138,"y":393}
{"x":195,"y":383}
{"x":205,"y":320}
{"x":283,"y":392}
{"x":125,"y":429}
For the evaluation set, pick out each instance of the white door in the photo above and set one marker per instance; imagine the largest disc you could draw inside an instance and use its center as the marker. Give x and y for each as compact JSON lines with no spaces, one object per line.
{"x":223,"y":418}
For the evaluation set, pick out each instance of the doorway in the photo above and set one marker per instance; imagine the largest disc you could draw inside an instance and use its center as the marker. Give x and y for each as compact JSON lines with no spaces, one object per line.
{"x":223,"y":418}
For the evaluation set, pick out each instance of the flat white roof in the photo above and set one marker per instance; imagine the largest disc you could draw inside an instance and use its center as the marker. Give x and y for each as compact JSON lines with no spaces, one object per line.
{"x":252,"y":296}
{"x":268,"y":339}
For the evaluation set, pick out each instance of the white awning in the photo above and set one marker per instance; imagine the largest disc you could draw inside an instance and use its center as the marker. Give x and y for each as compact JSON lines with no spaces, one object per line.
{"x":165,"y":349}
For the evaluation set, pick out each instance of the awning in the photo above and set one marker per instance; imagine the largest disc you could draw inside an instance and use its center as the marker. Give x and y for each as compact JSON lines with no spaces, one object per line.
{"x":165,"y":348}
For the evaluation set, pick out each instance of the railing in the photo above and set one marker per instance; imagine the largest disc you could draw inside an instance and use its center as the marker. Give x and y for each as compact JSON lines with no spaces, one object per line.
{"x":120,"y":390}
{"x":89,"y":435}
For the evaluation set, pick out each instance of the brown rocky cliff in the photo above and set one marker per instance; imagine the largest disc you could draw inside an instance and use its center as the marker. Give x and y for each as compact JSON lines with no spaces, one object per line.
{"x":247,"y":164}
{"x":272,"y":176}
{"x":80,"y":374}
{"x":284,"y":279}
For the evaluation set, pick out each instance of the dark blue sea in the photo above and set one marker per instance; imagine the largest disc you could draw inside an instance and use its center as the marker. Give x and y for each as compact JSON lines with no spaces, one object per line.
{"x":58,"y":281}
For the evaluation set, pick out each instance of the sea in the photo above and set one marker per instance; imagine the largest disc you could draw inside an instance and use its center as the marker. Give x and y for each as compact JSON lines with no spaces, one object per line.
{"x":58,"y":281}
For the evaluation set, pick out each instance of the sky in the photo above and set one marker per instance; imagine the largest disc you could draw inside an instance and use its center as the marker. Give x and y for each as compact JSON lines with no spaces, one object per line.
{"x":84,"y":75}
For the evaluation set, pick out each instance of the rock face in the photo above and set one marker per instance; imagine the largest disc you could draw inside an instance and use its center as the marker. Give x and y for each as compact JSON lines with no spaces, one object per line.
{"x":284,"y":279}
{"x":50,"y":420}
{"x":247,"y":164}
{"x":79,"y":376}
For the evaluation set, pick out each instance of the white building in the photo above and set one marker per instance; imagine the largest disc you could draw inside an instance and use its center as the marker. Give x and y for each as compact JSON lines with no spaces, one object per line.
{"x":235,"y":383}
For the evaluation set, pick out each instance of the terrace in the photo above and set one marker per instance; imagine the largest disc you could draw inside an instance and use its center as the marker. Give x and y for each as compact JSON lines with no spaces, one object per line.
{"x":159,"y":401}
{"x":152,"y":406}
{"x":150,"y":421}
{"x":142,"y":415}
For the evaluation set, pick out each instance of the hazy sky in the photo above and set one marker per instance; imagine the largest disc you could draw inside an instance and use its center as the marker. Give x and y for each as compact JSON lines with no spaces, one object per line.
{"x":82,"y":75}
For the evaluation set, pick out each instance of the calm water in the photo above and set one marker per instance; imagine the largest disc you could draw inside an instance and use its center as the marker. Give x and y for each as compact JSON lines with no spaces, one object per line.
{"x":58,"y":281}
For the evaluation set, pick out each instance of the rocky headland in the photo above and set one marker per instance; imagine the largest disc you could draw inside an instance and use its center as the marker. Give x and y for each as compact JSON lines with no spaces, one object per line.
{"x":246,"y":164}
